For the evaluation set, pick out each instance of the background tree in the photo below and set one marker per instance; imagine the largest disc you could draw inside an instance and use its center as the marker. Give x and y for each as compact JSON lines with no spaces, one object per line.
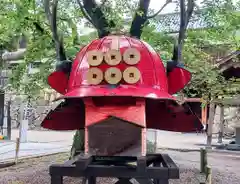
{"x":52,"y":33}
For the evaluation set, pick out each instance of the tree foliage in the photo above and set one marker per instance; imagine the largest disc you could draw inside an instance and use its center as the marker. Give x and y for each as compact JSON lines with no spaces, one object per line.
{"x":53,"y":33}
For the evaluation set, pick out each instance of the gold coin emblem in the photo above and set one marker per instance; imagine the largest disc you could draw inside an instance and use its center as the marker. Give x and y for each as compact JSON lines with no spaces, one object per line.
{"x":94,"y":57}
{"x":94,"y":76}
{"x":113,"y":75}
{"x":131,"y":56}
{"x":112,"y":57}
{"x":131,"y":75}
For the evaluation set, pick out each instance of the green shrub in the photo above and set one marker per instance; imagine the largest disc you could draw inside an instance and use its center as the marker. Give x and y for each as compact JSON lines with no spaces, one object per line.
{"x":78,"y":143}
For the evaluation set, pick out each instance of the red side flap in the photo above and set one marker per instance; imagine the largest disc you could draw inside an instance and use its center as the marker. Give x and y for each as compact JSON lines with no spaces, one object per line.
{"x":159,"y":116}
{"x":178,"y":78}
{"x":65,"y":117}
{"x":58,"y":80}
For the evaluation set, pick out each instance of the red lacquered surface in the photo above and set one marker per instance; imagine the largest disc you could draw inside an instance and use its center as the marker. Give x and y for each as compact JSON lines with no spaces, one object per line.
{"x":153,"y":80}
{"x":132,"y":113}
{"x":152,"y":114}
{"x":164,"y":117}
{"x":58,"y":80}
{"x":149,"y":101}
{"x":66,"y":116}
{"x":122,"y":90}
{"x":178,"y":78}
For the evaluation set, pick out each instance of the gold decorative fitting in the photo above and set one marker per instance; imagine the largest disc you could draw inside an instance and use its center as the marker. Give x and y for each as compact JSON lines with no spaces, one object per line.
{"x":131,"y":56}
{"x":113,"y":75}
{"x":94,"y":57}
{"x":94,"y":76}
{"x":113,"y":57}
{"x":131,"y":75}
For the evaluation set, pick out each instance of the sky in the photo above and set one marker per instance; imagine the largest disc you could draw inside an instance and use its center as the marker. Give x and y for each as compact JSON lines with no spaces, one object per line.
{"x":156,"y":4}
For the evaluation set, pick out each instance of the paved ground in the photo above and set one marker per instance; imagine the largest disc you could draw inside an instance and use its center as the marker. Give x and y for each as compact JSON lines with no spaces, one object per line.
{"x":48,"y":142}
{"x":225,"y":169}
{"x":225,"y":165}
{"x":7,"y":150}
{"x":39,"y":143}
{"x":217,"y":160}
{"x":165,"y":139}
{"x":181,"y":141}
{"x":64,"y":137}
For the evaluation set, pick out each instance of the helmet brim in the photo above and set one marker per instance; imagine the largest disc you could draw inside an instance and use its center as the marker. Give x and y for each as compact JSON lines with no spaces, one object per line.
{"x":120,"y":91}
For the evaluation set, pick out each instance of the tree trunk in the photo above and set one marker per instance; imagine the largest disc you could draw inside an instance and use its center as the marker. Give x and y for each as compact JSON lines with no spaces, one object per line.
{"x":14,"y":56}
{"x":210,"y":124}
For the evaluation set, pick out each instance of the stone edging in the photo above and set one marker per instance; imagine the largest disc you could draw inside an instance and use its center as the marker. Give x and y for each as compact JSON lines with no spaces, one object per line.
{"x":198,"y":150}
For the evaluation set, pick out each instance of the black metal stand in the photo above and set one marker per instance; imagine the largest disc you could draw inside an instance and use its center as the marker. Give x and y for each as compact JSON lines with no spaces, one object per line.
{"x":151,"y":169}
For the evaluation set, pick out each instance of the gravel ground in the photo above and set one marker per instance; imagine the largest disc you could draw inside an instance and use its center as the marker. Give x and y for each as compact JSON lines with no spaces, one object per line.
{"x":35,"y":171}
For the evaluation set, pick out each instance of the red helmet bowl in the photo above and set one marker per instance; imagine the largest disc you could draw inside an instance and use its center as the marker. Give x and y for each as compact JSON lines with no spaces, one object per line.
{"x":152,"y":84}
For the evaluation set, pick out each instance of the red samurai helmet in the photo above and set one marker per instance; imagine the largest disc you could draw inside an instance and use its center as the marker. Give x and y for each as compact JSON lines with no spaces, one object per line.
{"x":123,"y":77}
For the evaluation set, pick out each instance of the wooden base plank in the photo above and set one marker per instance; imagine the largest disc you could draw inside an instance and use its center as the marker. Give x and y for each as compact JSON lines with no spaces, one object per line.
{"x":115,"y":130}
{"x":163,"y":169}
{"x":114,"y":136}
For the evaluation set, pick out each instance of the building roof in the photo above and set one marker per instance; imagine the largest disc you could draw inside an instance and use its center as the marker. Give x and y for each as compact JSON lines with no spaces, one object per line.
{"x":170,"y":22}
{"x":234,"y":101}
{"x":230,"y":61}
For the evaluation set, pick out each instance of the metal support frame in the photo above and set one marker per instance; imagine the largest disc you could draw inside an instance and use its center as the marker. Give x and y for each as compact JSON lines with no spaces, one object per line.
{"x":150,"y":169}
